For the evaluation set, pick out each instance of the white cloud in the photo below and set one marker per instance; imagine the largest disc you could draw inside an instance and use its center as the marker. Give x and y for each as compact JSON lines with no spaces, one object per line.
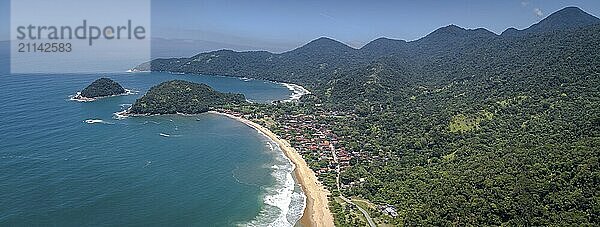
{"x":538,"y":12}
{"x":524,"y":3}
{"x":326,"y":16}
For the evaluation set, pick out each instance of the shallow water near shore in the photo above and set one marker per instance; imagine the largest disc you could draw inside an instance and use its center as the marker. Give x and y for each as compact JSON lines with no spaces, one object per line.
{"x":205,"y":170}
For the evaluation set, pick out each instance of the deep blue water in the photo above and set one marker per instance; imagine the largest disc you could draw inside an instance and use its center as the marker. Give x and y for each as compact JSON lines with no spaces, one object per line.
{"x":58,"y":170}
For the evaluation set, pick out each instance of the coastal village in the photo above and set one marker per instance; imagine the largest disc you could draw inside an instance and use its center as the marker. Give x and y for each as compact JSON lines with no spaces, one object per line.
{"x":311,"y":136}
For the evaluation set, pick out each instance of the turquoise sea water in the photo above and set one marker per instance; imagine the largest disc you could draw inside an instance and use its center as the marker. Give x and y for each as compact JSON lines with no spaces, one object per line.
{"x":204,"y":170}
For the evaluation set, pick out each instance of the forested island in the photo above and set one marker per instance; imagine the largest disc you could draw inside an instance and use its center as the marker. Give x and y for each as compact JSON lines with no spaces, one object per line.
{"x":460,"y":127}
{"x":102,"y":87}
{"x":184,"y":97}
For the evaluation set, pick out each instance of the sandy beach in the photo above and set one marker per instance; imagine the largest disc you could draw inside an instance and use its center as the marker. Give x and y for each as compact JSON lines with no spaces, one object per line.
{"x":316,"y":212}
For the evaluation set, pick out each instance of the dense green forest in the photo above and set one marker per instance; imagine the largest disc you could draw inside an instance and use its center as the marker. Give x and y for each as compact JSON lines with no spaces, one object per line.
{"x":461,"y":127}
{"x":101,"y":88}
{"x":178,"y":96}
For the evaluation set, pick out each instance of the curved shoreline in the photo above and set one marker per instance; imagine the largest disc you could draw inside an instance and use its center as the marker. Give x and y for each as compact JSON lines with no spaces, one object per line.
{"x":297,"y":90}
{"x":316,"y":211}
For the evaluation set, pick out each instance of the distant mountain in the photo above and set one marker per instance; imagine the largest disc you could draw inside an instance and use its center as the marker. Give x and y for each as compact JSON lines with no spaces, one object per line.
{"x":454,"y":32}
{"x":451,"y":37}
{"x":319,"y":56}
{"x":384,"y":46}
{"x":566,"y":18}
{"x":324,"y":58}
{"x":445,"y":37}
{"x":166,"y":48}
{"x":510,"y":32}
{"x":323,"y":46}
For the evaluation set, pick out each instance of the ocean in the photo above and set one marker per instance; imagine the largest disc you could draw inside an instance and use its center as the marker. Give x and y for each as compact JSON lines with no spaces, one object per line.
{"x":57,"y":169}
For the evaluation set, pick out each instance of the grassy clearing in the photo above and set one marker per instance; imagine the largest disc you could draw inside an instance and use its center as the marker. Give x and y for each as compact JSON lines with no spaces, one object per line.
{"x":465,"y":123}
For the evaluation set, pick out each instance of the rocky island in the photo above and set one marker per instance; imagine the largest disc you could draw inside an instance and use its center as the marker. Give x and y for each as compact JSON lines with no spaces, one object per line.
{"x":103,"y":87}
{"x":184,"y":97}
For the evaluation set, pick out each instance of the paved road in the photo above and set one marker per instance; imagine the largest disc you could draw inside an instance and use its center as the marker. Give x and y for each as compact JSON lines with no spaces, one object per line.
{"x":364,"y":212}
{"x":369,"y":220}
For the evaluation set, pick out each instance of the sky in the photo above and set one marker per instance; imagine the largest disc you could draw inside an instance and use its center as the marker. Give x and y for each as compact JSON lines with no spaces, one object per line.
{"x":281,"y":25}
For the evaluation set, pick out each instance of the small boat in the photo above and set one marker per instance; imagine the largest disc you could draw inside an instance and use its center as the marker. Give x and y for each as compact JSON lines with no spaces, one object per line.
{"x":92,"y":121}
{"x":164,"y":135}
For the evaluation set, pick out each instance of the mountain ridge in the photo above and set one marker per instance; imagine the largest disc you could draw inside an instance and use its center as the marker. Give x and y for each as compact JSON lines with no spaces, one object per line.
{"x":566,"y":18}
{"x":575,"y":18}
{"x":326,"y":56}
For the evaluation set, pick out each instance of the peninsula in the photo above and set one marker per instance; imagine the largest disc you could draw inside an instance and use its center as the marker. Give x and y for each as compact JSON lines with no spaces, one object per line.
{"x":184,"y":97}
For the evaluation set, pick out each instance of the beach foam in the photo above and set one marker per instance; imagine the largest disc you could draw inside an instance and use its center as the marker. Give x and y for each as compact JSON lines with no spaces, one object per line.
{"x":284,"y":201}
{"x":137,"y":71}
{"x":121,"y":114}
{"x":77,"y":96}
{"x":297,"y":92}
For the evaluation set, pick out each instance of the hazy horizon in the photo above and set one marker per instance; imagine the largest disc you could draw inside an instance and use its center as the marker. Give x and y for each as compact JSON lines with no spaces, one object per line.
{"x":282,"y":26}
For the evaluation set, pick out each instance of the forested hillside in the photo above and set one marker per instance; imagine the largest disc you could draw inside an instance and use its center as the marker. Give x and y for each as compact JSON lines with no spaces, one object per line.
{"x":102,"y":87}
{"x":509,"y":136}
{"x":178,"y":96}
{"x":461,"y":127}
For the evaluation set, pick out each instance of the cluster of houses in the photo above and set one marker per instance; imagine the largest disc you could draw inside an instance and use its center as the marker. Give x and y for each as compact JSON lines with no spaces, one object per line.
{"x":311,"y":137}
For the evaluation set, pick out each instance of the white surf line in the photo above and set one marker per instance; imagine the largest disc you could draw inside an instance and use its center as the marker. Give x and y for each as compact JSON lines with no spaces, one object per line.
{"x":297,"y":91}
{"x":79,"y":98}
